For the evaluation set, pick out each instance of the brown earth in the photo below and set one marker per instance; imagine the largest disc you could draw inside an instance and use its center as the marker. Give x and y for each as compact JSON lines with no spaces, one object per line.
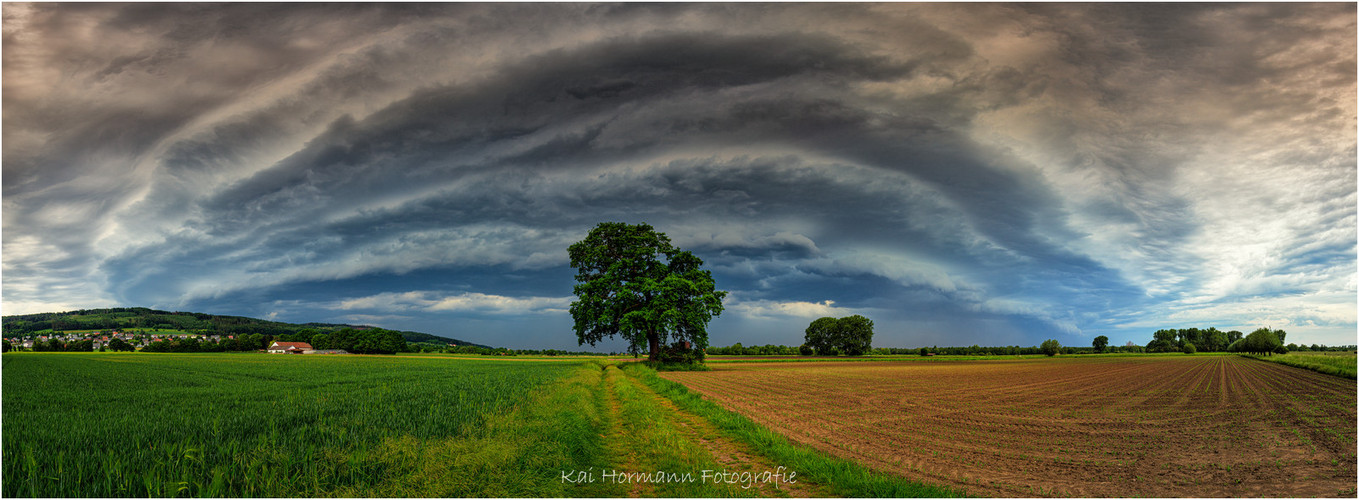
{"x":1192,"y":426}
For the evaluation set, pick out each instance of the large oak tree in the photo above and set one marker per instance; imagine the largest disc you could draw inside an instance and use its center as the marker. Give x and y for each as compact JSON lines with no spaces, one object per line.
{"x":632,"y":282}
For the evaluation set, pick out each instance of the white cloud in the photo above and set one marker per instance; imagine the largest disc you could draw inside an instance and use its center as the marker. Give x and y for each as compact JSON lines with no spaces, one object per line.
{"x":764,"y":308}
{"x":432,"y":301}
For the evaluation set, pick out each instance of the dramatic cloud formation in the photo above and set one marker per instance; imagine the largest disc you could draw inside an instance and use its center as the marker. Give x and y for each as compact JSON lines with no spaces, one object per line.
{"x":962,"y":174}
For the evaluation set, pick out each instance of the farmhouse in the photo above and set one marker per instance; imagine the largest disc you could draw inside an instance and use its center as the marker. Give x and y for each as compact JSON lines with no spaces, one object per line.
{"x":289,"y":347}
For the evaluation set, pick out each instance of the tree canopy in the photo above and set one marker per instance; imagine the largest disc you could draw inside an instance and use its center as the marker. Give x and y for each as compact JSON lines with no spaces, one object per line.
{"x":632,"y":282}
{"x":1051,"y":347}
{"x":850,"y":335}
{"x":1260,"y":341}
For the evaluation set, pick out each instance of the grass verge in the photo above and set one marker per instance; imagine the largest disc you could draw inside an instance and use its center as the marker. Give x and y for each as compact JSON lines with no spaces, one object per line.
{"x":527,"y":452}
{"x":1339,"y":365}
{"x":842,"y":477}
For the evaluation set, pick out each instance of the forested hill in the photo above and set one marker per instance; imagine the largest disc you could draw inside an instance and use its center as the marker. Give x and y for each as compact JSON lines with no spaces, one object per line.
{"x":208,"y":324}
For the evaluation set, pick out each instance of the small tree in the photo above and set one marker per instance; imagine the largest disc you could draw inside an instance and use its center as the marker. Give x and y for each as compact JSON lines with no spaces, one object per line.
{"x":1101,"y":343}
{"x":1051,"y":347}
{"x":1190,"y":349}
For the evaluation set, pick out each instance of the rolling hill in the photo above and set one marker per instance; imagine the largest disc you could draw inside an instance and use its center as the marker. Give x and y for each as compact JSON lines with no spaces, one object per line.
{"x":141,"y":317}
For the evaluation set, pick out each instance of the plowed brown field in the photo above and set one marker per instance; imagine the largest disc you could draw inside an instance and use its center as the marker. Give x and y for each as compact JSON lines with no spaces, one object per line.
{"x":1191,"y":426}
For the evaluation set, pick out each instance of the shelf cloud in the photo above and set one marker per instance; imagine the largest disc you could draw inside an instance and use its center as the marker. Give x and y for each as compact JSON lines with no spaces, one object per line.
{"x":992,"y":174}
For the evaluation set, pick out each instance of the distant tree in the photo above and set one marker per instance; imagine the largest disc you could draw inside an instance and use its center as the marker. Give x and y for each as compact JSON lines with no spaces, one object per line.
{"x":850,"y":335}
{"x":805,"y":350}
{"x":251,"y":342}
{"x":391,"y":342}
{"x":632,"y":282}
{"x":1101,"y":343}
{"x":1189,"y":348}
{"x":1260,"y":341}
{"x":1051,"y":347}
{"x":120,"y":345}
{"x":1233,"y":336}
{"x":820,"y":335}
{"x":1215,"y":340}
{"x":855,"y":335}
{"x":924,"y":351}
{"x":6,"y":346}
{"x":320,"y":341}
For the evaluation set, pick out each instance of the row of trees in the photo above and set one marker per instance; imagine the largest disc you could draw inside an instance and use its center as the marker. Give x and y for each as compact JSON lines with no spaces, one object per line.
{"x":370,"y":341}
{"x":1199,"y":340}
{"x":1262,"y":341}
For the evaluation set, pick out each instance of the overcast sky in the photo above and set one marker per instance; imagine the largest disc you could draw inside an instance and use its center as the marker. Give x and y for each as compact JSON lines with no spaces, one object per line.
{"x":960,"y":173}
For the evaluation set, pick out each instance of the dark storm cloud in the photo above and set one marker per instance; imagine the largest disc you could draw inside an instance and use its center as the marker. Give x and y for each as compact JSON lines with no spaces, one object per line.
{"x":964,"y":173}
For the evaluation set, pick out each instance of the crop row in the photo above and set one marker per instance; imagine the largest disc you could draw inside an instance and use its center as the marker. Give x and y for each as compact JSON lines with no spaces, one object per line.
{"x":1064,"y":426}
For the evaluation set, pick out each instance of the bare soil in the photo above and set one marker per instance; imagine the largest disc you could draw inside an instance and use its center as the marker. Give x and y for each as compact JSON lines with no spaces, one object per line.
{"x":1192,"y":426}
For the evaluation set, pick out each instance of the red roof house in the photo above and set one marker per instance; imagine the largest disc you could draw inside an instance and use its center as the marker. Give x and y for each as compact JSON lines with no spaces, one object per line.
{"x":289,"y":347}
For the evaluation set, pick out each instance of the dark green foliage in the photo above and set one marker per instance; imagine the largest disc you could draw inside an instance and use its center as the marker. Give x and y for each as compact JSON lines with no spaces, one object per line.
{"x":1051,"y":347}
{"x":681,"y":353}
{"x":820,"y":335}
{"x":371,"y":341}
{"x":850,"y":335}
{"x":1190,"y":349}
{"x":1261,"y":341}
{"x":120,"y":345}
{"x":805,"y":350}
{"x":1101,"y":343}
{"x":856,"y":334}
{"x":756,"y":350}
{"x":633,"y":283}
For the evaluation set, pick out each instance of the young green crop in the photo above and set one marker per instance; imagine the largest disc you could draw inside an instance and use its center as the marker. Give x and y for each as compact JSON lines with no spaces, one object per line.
{"x":80,"y":425}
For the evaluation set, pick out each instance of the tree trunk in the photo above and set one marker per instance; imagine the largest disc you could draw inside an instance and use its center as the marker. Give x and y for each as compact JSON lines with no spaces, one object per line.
{"x":655,"y":342}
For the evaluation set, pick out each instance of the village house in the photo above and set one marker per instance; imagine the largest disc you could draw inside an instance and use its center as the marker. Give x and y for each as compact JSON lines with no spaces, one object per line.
{"x":289,"y":347}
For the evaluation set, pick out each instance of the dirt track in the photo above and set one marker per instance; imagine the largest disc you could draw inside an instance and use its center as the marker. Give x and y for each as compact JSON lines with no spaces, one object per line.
{"x":1193,"y":426}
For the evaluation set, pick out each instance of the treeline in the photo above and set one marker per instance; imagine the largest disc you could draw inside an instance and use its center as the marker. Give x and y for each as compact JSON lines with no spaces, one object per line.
{"x":501,"y":351}
{"x":1194,"y":340}
{"x":1261,"y":341}
{"x":370,"y":341}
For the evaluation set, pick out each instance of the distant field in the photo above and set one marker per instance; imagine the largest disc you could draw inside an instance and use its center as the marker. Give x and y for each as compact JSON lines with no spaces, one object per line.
{"x":1341,"y":364}
{"x":723,"y":358}
{"x":1174,"y":426}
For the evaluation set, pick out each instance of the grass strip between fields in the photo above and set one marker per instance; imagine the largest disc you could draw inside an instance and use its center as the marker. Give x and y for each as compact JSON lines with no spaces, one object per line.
{"x":521,"y":453}
{"x":1340,"y":366}
{"x":842,"y":477}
